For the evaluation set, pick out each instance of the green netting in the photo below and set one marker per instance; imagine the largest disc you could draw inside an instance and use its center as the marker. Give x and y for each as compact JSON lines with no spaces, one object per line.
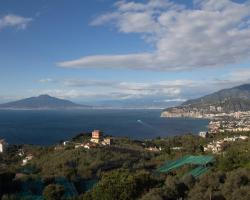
{"x":194,"y":160}
{"x":196,"y":172}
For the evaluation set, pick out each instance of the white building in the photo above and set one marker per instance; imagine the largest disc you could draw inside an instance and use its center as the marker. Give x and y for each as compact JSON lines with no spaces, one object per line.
{"x":3,"y":145}
{"x":65,"y":143}
{"x":107,"y":141}
{"x":27,"y":159}
{"x":203,"y":134}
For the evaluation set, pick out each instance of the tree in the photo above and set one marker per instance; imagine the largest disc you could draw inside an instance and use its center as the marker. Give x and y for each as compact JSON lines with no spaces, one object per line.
{"x":189,"y":181}
{"x":241,"y":193}
{"x":237,"y":182}
{"x":174,"y":189}
{"x":122,"y":185}
{"x":9,"y":197}
{"x":153,"y":194}
{"x":6,"y":183}
{"x":53,"y":192}
{"x":208,"y":187}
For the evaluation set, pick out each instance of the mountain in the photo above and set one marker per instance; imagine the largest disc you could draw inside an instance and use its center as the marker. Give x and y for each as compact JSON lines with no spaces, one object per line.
{"x":239,"y":94}
{"x":42,"y":102}
{"x":226,"y":100}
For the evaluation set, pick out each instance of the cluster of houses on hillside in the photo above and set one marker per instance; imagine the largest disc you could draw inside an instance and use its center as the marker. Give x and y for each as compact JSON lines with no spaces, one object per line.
{"x":25,"y":157}
{"x":233,"y":122}
{"x":221,"y":126}
{"x":218,"y":146}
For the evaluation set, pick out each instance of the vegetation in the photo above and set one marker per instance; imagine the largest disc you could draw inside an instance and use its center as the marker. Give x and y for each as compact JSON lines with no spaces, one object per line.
{"x":121,"y":185}
{"x":53,"y":192}
{"x":125,"y":170}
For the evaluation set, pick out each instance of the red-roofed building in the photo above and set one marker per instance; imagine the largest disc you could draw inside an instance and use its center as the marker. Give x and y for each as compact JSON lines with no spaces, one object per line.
{"x":97,"y":136}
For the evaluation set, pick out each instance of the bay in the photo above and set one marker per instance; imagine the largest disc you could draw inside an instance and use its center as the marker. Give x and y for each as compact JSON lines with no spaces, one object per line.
{"x":47,"y":127}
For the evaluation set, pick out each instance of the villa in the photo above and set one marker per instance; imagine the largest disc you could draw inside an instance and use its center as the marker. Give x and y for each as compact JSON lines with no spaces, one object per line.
{"x":97,"y":136}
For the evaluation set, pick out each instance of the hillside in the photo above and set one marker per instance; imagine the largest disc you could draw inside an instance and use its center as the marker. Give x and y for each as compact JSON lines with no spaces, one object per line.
{"x":126,"y":170}
{"x":226,"y":100}
{"x":239,"y":95}
{"x":41,"y":102}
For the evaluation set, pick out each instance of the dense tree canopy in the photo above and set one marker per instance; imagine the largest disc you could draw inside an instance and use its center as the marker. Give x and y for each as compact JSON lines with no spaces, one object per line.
{"x":121,"y":185}
{"x":127,"y":170}
{"x":53,"y":192}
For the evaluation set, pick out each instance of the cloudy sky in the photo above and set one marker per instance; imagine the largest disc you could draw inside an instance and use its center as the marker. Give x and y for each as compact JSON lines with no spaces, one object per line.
{"x":158,"y":50}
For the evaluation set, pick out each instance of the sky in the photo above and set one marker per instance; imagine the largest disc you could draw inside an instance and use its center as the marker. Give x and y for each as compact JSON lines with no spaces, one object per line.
{"x":104,"y":50}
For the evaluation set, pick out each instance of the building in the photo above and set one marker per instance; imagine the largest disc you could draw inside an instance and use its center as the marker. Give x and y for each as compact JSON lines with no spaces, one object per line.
{"x":3,"y":145}
{"x":77,"y":145}
{"x":96,"y":136}
{"x":20,"y":152}
{"x":212,"y":108}
{"x":203,"y":134}
{"x":65,"y":143}
{"x":107,"y":141}
{"x":219,"y":109}
{"x":89,"y":145}
{"x":177,"y":148}
{"x":27,"y":159}
{"x":214,"y":147}
{"x":214,"y":126}
{"x":154,"y":149}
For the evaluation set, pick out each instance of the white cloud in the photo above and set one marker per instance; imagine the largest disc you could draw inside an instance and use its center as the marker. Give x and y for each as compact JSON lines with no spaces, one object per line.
{"x":113,"y":61}
{"x":15,"y":21}
{"x":240,"y":75}
{"x":162,"y":91}
{"x":73,"y":82}
{"x":106,"y":89}
{"x":212,"y":33}
{"x":170,"y":100}
{"x":64,"y":93}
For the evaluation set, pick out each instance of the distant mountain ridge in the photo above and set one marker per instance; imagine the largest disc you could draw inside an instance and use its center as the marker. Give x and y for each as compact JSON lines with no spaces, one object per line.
{"x":230,"y":100}
{"x":42,"y":102}
{"x":226,"y":100}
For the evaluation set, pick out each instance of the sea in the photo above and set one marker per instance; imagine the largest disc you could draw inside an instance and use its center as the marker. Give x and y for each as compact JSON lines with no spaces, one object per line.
{"x":48,"y":127}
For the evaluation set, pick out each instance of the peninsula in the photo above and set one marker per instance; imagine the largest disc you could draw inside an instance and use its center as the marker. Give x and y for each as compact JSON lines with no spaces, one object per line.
{"x":228,"y":109}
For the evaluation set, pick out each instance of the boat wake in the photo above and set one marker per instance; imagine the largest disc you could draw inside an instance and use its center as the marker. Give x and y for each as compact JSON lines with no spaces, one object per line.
{"x":148,"y":125}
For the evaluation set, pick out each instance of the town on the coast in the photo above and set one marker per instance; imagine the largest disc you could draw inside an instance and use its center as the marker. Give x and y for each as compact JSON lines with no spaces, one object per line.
{"x":219,"y":122}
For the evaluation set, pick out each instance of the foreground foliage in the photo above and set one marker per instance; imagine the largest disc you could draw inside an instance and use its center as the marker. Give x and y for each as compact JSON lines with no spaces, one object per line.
{"x":126,"y":170}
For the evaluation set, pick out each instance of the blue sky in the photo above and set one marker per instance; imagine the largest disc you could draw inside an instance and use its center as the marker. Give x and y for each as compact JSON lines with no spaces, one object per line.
{"x":120,"y":50}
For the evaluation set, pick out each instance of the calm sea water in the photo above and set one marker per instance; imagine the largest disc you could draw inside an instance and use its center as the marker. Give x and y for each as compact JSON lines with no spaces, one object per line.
{"x":49,"y":127}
